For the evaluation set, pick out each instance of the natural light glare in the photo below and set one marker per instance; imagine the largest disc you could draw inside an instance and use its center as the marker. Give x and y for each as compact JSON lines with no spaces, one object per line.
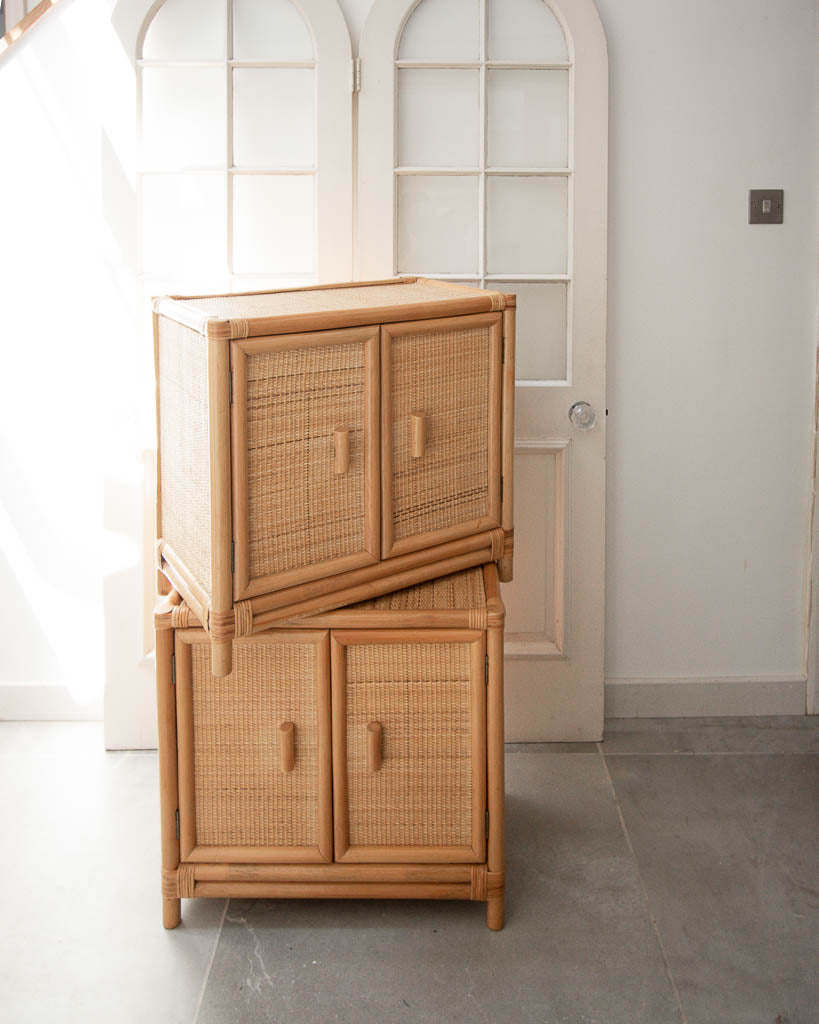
{"x":72,"y":420}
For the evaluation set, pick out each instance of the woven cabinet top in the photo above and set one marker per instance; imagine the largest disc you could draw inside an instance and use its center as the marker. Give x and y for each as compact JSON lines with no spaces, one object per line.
{"x":256,"y":314}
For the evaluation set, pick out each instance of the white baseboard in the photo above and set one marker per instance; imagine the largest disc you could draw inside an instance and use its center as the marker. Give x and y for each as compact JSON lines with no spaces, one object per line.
{"x":44,"y":702}
{"x":721,"y":696}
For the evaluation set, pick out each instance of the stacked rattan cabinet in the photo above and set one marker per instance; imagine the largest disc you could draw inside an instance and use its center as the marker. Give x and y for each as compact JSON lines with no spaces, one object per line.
{"x":334,"y":466}
{"x":355,"y":754}
{"x":319,"y":446}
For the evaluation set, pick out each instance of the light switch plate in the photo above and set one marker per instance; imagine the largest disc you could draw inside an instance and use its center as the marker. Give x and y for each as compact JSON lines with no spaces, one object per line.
{"x":766,"y":205}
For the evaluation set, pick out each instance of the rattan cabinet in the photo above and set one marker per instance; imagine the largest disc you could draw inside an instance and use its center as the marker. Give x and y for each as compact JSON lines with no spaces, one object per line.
{"x":324,"y":445}
{"x":358,"y":753}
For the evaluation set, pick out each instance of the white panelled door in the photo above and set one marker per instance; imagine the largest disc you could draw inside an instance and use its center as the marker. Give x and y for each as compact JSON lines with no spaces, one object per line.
{"x":483,"y":158}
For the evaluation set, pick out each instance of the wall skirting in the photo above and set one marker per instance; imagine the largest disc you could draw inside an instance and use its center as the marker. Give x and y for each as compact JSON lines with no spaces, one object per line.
{"x":705,"y":697}
{"x":44,"y":702}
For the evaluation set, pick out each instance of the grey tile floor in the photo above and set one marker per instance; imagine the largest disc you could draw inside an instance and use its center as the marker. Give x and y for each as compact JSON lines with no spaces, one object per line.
{"x":668,"y":874}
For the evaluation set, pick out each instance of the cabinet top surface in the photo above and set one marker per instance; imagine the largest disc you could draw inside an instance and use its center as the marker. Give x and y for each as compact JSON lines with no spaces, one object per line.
{"x":252,"y":314}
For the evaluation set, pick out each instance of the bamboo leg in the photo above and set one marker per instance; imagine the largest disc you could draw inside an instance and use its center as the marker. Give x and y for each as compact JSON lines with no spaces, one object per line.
{"x":171,"y":912}
{"x":166,"y":718}
{"x":494,"y":732}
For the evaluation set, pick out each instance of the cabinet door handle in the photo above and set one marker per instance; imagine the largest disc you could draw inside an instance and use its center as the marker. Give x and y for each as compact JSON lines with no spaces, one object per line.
{"x":418,"y":435}
{"x":287,"y":746}
{"x":374,"y":734}
{"x":341,"y":443}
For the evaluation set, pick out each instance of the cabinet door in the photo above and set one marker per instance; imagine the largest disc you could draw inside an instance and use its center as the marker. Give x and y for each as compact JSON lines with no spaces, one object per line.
{"x":305,"y":445}
{"x":254,"y":750}
{"x":409,"y":745}
{"x":440,"y":409}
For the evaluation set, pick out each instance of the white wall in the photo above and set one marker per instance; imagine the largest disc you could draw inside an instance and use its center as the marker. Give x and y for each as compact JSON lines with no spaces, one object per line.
{"x":711,"y":344}
{"x":711,"y":350}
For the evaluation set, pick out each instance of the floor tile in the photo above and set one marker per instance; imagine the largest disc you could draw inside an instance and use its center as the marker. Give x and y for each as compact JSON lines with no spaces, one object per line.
{"x":79,"y":882}
{"x":786,"y":735}
{"x":726,"y":847}
{"x":578,"y":947}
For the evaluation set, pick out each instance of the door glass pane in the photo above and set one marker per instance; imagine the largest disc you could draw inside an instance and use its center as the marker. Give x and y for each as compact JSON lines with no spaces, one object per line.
{"x":438,"y":224}
{"x":527,"y":222}
{"x":184,"y":224}
{"x":528,"y":118}
{"x":183,"y":116}
{"x":540,"y":330}
{"x":274,"y":224}
{"x":442,"y":30}
{"x":271,"y":30}
{"x":187,"y":30}
{"x":273,"y":117}
{"x":525,"y":30}
{"x":438,"y":118}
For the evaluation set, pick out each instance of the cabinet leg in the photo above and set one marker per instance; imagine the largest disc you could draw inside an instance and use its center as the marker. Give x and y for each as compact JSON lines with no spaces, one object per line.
{"x":171,"y":912}
{"x":495,"y":913}
{"x":221,"y":658}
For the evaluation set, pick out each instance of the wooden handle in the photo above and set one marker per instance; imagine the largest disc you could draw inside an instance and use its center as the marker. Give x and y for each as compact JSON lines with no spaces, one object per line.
{"x":341,"y":440}
{"x":374,"y":734}
{"x":418,"y":434}
{"x":287,"y":746}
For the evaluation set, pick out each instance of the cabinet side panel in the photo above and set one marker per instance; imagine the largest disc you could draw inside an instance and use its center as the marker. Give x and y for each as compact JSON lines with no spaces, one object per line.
{"x":182,"y":368}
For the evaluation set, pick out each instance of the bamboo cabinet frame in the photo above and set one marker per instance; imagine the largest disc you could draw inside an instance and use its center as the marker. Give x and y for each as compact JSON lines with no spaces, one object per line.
{"x":471,"y":868}
{"x":203,"y":345}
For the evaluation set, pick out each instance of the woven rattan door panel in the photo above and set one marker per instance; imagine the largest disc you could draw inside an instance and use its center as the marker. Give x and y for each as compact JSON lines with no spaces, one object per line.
{"x":254,"y":750}
{"x":441,"y":430}
{"x":409,"y":745}
{"x":305,"y":444}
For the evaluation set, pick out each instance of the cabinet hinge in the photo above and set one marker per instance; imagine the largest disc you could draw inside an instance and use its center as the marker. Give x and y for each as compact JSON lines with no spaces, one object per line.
{"x":485,"y":825}
{"x":177,"y":823}
{"x":173,"y":669}
{"x":356,"y":74}
{"x":486,"y":670}
{"x":233,"y":556}
{"x":503,"y":349}
{"x":501,"y":498}
{"x":230,"y":386}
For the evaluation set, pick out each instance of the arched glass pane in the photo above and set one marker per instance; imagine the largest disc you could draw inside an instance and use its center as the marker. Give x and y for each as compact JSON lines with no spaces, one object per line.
{"x":438,"y":117}
{"x":274,"y":117}
{"x":527,"y":225}
{"x":274,"y":224}
{"x":438,"y":224}
{"x":528,"y":118}
{"x":442,"y":30}
{"x":540,"y":330}
{"x":525,"y":30}
{"x":187,"y":30}
{"x":183,"y":117}
{"x":272,"y":30}
{"x":184,"y":224}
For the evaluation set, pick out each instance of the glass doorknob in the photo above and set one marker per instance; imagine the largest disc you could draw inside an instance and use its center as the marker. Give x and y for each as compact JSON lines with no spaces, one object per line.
{"x":582,"y":415}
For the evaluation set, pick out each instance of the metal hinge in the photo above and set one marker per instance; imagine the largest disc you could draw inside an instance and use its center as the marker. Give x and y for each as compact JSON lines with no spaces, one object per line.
{"x":233,"y":556}
{"x":503,"y":349}
{"x":173,"y":669}
{"x":486,"y":825}
{"x":230,"y":386}
{"x":486,"y":670}
{"x":177,"y":824}
{"x":356,"y":74}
